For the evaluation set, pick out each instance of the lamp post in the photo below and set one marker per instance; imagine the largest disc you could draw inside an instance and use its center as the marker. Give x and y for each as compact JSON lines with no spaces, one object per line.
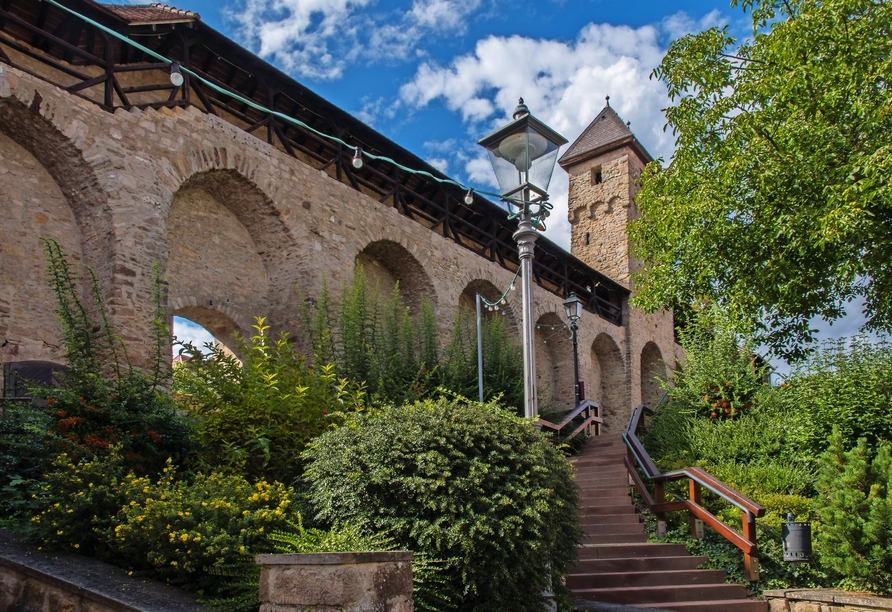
{"x":573,"y":309}
{"x":523,"y":154}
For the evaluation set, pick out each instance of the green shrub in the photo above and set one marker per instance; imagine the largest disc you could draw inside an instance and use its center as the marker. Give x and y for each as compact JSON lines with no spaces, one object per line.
{"x":255,"y":418}
{"x":846,"y":384}
{"x":721,"y":377}
{"x":459,"y":481}
{"x":180,"y":529}
{"x":854,"y":508}
{"x":78,"y":501}
{"x":25,"y":448}
{"x":375,"y":340}
{"x":103,"y":400}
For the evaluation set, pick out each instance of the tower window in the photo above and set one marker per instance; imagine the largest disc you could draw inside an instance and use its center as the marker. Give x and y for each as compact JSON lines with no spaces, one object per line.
{"x":588,"y":238}
{"x":597,"y":177}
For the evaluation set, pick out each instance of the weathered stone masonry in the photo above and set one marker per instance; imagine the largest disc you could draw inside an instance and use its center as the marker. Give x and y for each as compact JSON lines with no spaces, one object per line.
{"x":238,"y":225}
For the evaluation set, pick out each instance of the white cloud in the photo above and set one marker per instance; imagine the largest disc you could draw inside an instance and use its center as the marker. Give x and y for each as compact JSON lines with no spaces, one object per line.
{"x":681,"y":23}
{"x":308,"y":37}
{"x":563,"y":83}
{"x":439,"y":163}
{"x":319,"y":38}
{"x":185,"y":330}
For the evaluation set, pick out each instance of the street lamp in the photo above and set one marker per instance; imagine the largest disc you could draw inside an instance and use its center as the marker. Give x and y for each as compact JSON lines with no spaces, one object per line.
{"x":523,"y":154}
{"x":573,"y":308}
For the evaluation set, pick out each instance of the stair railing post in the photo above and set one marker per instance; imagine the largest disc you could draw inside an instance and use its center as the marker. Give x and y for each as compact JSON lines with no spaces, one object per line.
{"x":750,"y":560}
{"x":660,"y":498}
{"x":694,"y":496}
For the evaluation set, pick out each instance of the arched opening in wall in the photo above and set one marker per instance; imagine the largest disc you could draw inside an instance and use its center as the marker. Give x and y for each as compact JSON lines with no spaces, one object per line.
{"x":652,"y":367}
{"x":227,"y":245}
{"x":205,"y":326}
{"x":18,"y":376}
{"x":613,"y":389}
{"x":387,"y":263}
{"x":554,"y":364}
{"x":32,"y":205}
{"x":467,"y":302}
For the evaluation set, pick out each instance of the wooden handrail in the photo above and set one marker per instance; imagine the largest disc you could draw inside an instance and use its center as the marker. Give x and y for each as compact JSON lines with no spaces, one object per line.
{"x":697,"y":479}
{"x":591,"y":412}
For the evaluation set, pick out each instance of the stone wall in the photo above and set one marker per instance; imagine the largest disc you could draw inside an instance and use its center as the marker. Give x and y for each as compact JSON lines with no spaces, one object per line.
{"x":237,"y":226}
{"x":342,"y":582}
{"x":32,"y":580}
{"x":824,"y":600}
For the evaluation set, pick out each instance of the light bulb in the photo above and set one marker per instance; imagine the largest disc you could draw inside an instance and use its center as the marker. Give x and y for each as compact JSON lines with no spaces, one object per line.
{"x":469,"y":197}
{"x":496,"y":307}
{"x":512,"y":287}
{"x":176,"y":77}
{"x":357,"y":158}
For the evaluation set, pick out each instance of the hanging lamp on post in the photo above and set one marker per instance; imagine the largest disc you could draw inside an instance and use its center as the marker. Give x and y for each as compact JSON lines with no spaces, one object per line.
{"x":523,"y":154}
{"x":573,"y":309}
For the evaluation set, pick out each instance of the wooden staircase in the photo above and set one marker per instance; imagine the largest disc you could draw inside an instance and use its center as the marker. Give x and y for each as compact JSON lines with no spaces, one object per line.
{"x":616,"y":563}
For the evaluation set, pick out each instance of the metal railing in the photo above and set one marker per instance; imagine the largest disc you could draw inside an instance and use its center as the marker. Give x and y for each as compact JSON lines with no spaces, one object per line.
{"x":697,"y":480}
{"x":591,"y":420}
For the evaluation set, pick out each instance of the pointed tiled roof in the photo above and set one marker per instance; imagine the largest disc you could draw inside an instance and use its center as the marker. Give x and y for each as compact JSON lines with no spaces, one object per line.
{"x":146,"y":14}
{"x":606,"y":132}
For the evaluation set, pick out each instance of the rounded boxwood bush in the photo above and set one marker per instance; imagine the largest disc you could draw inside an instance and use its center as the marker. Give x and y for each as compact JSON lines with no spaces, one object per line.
{"x":467,"y":483}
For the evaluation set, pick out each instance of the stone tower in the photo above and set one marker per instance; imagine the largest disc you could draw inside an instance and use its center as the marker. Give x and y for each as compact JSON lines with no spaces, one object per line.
{"x":604,"y":164}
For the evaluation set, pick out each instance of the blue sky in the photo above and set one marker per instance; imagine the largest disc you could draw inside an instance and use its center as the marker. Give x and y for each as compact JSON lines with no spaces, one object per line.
{"x":436,"y":75}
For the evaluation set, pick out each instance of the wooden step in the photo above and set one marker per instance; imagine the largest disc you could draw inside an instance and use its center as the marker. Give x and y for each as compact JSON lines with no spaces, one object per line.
{"x":625,"y":551}
{"x":623,"y":580}
{"x":609,"y":519}
{"x":590,"y":509}
{"x":637,"y":564}
{"x":663,"y":594}
{"x":614,"y":528}
{"x":615,"y":538}
{"x":722,"y":605}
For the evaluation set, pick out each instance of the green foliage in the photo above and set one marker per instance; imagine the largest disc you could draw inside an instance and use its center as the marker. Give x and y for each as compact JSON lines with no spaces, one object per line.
{"x":176,"y":529}
{"x":103,"y":400}
{"x":847,"y":384}
{"x":855,"y":512}
{"x":502,"y":361}
{"x":255,"y":418}
{"x":79,"y":500}
{"x":721,"y":377}
{"x":25,"y":445}
{"x":185,"y":531}
{"x":377,"y":341}
{"x":459,"y":481}
{"x":776,"y":202}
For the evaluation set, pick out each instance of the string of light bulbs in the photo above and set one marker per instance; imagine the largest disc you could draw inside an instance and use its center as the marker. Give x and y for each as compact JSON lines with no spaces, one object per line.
{"x":177,"y":79}
{"x":503,"y":299}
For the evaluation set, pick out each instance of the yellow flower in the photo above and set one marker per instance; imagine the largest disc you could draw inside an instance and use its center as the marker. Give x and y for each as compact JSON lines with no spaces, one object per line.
{"x":60,"y":532}
{"x":77,"y":545}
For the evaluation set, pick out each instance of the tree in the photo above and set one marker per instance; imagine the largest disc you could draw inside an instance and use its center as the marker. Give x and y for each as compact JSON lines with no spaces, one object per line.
{"x":776,"y":204}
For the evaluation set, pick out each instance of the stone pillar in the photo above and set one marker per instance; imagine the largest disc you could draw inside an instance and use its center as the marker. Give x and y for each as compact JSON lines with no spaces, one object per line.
{"x":336,"y":582}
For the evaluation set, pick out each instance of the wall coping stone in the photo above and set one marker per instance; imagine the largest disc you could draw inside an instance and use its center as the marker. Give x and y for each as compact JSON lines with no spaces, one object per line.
{"x":93,"y":579}
{"x":341,"y":558}
{"x":832,"y":596}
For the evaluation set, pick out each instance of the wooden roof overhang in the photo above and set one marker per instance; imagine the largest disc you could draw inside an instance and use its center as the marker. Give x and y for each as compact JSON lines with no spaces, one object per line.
{"x":92,"y":64}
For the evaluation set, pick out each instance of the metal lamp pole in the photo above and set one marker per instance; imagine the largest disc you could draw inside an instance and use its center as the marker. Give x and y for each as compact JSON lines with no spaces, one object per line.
{"x":573,"y":308}
{"x":523,"y":154}
{"x":526,"y":236}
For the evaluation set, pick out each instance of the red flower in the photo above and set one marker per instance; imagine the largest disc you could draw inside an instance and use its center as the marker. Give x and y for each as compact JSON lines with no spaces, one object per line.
{"x":155,"y":437}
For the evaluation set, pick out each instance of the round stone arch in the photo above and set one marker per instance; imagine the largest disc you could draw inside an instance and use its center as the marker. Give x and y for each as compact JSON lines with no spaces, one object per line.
{"x":226,"y":241}
{"x":611,"y":388}
{"x":554,"y":363}
{"x":46,"y":189}
{"x":386,"y":263}
{"x":652,"y":367}
{"x":220,"y":321}
{"x":467,"y":301}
